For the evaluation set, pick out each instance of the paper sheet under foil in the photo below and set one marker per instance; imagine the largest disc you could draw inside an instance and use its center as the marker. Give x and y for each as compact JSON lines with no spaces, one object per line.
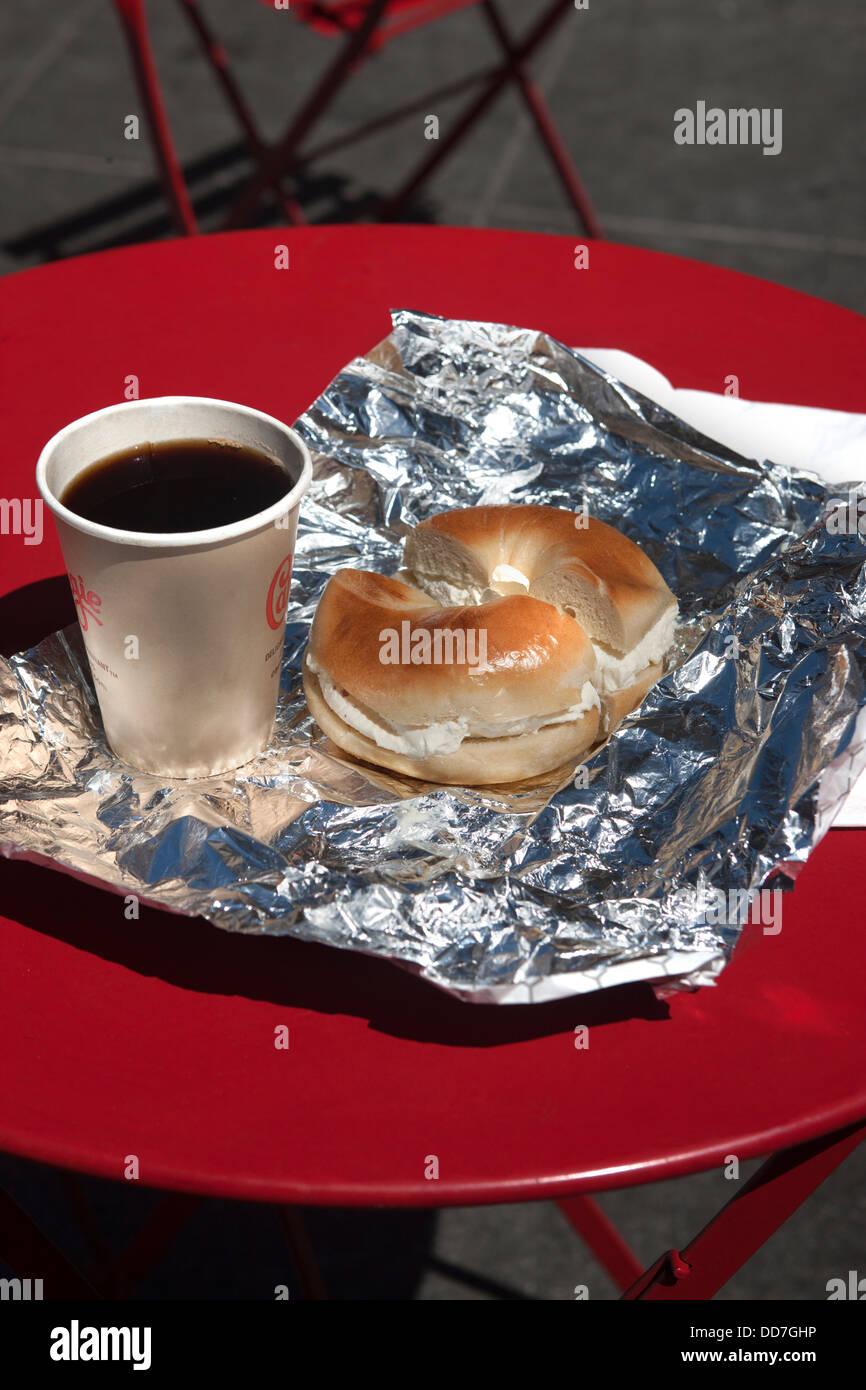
{"x":728,"y":773}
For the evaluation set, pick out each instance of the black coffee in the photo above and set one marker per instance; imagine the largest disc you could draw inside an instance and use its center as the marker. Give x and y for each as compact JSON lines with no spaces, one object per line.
{"x":179,"y":485}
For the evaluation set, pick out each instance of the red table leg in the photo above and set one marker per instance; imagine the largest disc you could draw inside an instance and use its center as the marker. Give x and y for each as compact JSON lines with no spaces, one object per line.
{"x":29,"y":1252}
{"x":300,"y":1245}
{"x":150,"y":1243}
{"x":32,"y":1255}
{"x":98,"y":1249}
{"x":604,"y":1240}
{"x":780,"y":1185}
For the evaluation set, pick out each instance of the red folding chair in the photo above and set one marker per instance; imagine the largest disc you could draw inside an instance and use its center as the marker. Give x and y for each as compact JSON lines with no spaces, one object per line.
{"x":364,"y":27}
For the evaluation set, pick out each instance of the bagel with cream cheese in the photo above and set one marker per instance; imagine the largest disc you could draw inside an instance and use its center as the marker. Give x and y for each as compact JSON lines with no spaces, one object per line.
{"x":512,"y":639}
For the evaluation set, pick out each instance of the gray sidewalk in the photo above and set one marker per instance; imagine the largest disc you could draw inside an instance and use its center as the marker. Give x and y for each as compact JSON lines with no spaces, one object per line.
{"x":614,"y":75}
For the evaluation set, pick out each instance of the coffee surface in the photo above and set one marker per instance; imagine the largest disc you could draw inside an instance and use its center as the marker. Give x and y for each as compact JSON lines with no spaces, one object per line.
{"x":177,"y":485}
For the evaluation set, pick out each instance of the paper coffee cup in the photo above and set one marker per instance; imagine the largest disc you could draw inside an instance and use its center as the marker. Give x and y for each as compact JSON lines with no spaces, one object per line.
{"x":184,"y":630}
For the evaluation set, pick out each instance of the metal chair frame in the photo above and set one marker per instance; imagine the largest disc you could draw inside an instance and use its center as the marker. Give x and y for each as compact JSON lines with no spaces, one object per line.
{"x":365,"y":26}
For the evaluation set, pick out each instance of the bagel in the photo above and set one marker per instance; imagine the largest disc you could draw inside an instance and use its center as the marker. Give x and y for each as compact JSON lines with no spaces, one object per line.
{"x":516,"y":665}
{"x":582,"y":566}
{"x":509,"y":641}
{"x":477,"y":762}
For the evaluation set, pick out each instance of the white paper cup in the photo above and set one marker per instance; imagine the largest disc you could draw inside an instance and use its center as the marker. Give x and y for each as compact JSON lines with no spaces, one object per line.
{"x":184,"y":630}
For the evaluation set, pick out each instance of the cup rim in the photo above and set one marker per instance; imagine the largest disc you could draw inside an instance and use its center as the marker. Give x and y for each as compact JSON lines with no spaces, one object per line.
{"x":172,"y":539}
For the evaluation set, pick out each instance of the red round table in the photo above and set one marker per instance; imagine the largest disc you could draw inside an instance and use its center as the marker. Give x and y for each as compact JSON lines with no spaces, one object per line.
{"x":156,"y":1037}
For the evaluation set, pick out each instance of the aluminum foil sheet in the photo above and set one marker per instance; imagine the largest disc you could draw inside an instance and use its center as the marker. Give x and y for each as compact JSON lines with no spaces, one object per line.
{"x":638,"y":868}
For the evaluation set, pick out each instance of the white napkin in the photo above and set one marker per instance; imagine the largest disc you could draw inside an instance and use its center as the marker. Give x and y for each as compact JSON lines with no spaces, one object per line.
{"x":829,"y":443}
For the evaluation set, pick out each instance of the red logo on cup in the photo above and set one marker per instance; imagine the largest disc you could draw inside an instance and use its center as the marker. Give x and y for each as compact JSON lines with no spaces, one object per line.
{"x":278,"y":593}
{"x":86,"y":601}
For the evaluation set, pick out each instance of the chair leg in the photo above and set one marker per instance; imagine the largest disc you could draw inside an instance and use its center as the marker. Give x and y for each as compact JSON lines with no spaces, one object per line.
{"x":279,"y":158}
{"x":134,"y":21}
{"x":546,"y":126}
{"x":218,"y":59}
{"x":392,"y":206}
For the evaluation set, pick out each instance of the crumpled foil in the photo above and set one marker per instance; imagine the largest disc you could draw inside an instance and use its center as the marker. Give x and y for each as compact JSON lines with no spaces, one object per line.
{"x":723,"y":780}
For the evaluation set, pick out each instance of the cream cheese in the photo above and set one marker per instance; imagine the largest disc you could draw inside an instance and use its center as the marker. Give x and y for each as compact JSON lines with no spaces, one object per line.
{"x":509,"y":576}
{"x":447,"y":735}
{"x":504,"y":581}
{"x":616,"y":672}
{"x":449,"y":595}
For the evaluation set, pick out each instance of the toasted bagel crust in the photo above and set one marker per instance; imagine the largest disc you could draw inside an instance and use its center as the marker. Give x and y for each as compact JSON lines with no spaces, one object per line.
{"x":570,"y":560}
{"x":536,"y":659}
{"x":504,"y":678}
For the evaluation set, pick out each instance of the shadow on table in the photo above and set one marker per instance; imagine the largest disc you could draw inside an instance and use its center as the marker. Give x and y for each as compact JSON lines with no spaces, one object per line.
{"x":193,"y":955}
{"x":280,"y":970}
{"x":34,"y":611}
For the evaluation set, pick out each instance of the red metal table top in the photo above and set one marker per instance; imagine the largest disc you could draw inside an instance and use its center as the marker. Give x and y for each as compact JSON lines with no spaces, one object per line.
{"x":156,"y":1037}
